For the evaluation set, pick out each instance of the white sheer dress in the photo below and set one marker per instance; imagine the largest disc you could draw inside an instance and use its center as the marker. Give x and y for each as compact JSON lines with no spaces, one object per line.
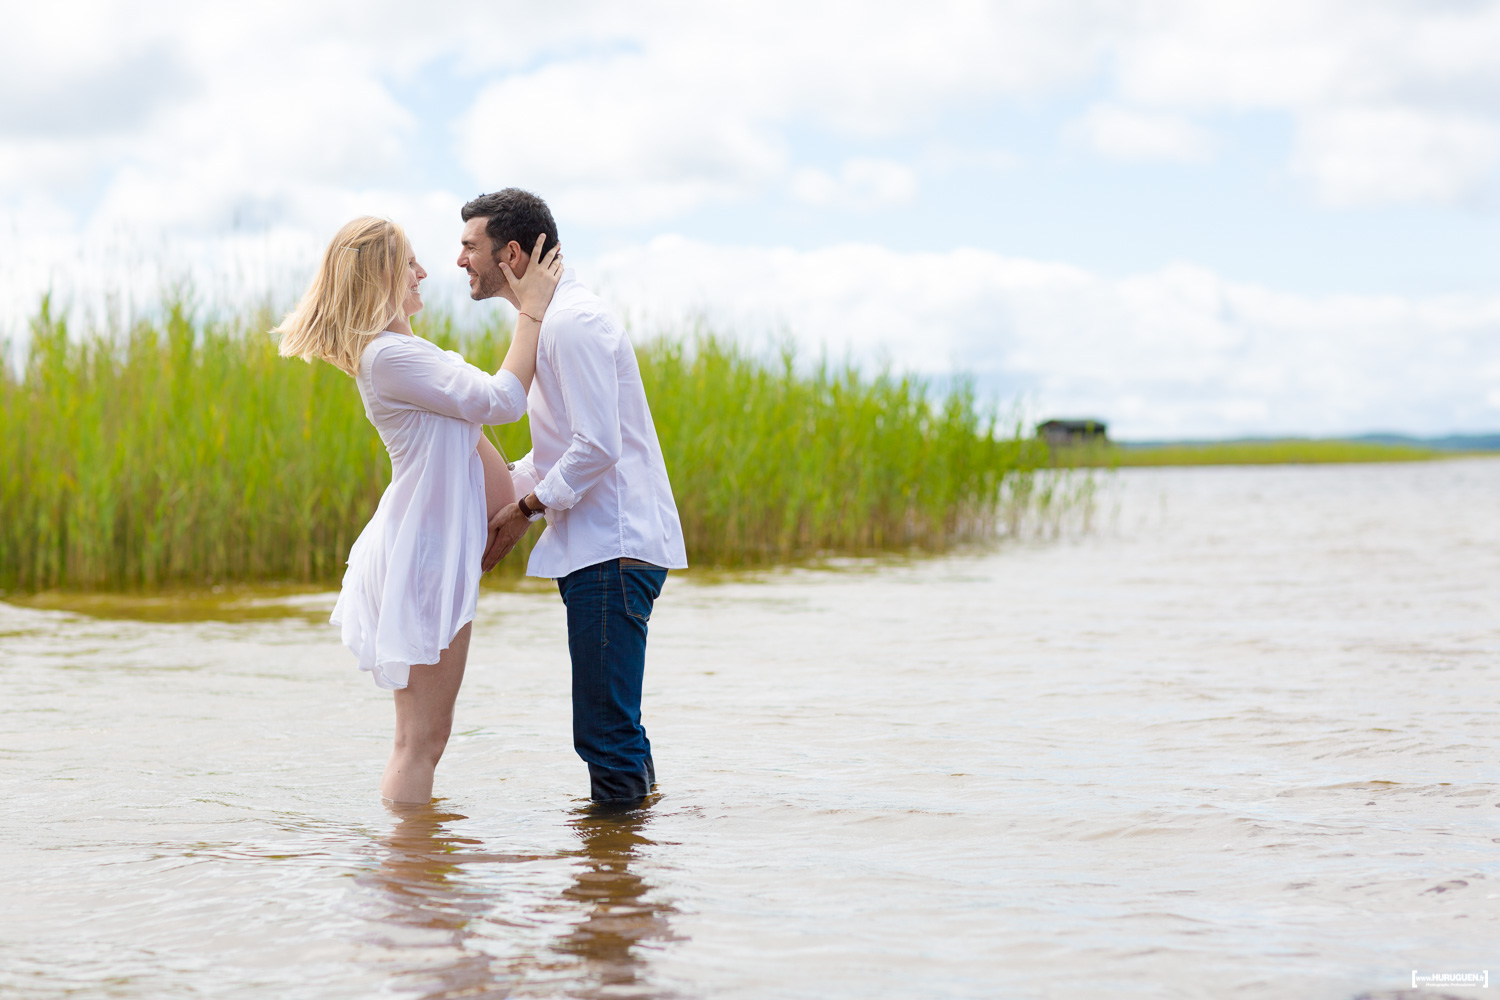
{"x":413,"y":575}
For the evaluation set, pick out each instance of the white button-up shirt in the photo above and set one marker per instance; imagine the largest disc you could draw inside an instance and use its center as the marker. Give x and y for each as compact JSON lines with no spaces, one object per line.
{"x":595,"y":462}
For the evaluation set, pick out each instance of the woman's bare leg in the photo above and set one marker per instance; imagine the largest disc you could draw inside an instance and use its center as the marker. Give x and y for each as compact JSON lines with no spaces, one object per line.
{"x":499,"y":491}
{"x":424,"y":708}
{"x":424,"y":718}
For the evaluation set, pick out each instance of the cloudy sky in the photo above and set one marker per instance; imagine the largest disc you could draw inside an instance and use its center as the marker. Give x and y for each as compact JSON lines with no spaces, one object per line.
{"x":1188,"y":218}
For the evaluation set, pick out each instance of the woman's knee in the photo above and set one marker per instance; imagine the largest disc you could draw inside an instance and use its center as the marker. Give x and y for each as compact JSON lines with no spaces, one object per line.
{"x":424,"y":742}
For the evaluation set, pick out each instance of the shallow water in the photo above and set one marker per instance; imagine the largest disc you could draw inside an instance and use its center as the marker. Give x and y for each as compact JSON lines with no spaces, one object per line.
{"x":1240,"y":741}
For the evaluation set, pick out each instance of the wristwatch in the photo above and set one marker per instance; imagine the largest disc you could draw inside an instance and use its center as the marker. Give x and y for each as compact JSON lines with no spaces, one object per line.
{"x":531,"y":515}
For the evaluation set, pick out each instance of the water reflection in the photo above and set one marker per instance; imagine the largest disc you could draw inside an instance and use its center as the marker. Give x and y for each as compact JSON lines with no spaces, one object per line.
{"x":431,"y":914}
{"x":620,"y":921}
{"x":447,"y":929}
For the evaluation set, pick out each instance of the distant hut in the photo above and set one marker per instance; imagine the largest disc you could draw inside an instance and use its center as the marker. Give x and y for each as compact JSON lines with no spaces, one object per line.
{"x":1062,"y":433}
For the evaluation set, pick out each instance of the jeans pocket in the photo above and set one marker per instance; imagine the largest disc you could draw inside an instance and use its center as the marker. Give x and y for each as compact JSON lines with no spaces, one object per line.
{"x":642,"y":585}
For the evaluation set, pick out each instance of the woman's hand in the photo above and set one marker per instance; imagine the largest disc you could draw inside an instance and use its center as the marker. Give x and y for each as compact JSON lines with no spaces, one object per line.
{"x":533,"y":294}
{"x":534,"y":290}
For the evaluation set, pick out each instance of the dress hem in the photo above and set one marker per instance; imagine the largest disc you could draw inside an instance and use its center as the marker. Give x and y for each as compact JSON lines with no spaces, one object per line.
{"x":377,"y":671}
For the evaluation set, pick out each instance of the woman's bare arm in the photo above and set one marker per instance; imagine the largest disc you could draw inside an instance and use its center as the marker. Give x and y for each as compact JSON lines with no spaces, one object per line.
{"x":534,"y":293}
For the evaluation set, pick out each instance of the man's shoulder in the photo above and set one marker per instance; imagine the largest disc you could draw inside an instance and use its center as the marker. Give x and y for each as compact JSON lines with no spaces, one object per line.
{"x":575,"y":309}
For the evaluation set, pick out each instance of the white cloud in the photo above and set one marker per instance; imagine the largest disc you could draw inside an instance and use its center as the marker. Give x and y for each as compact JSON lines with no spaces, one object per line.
{"x":1247,"y":54}
{"x":619,"y":139}
{"x":862,"y":183}
{"x":944,"y":157}
{"x":641,"y":113}
{"x":1367,"y":156}
{"x":1131,"y":135}
{"x":239,"y":124}
{"x":701,"y":99}
{"x":697,"y":106}
{"x":198,"y":116}
{"x":1178,"y":352}
{"x":1392,"y":102}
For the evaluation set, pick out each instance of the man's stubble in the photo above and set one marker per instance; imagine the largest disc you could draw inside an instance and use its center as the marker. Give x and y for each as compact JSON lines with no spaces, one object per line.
{"x":490,"y":285}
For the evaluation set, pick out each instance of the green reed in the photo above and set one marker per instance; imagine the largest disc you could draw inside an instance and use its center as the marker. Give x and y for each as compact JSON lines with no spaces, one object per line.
{"x":186,"y":452}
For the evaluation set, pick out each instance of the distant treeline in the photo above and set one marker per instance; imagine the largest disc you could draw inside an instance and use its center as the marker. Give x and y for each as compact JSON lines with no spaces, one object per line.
{"x":1288,"y":451}
{"x":184,"y":452}
{"x":1471,"y":443}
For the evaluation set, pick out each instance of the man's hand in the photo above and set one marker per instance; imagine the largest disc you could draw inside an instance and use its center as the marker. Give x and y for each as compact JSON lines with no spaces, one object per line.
{"x":506,"y":529}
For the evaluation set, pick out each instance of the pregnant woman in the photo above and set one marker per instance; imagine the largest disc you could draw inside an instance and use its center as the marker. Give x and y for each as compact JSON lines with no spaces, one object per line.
{"x":413,"y":579}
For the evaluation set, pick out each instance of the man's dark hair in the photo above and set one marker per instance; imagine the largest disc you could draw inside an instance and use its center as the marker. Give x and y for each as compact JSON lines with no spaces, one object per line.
{"x":513,"y":214}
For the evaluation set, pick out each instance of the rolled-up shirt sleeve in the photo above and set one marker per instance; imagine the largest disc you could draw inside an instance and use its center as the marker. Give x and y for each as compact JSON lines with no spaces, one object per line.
{"x":590,"y":384}
{"x":419,"y":377}
{"x":523,"y":477}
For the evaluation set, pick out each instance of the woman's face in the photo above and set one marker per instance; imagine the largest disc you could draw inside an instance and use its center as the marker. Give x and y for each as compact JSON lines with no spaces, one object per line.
{"x":412,"y":304}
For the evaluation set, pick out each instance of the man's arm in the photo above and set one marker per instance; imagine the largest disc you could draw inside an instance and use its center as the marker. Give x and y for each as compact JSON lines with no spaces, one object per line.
{"x":584,"y":359}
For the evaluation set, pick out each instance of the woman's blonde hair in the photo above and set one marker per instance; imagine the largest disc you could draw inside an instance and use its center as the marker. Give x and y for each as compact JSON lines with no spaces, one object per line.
{"x":357,"y":291}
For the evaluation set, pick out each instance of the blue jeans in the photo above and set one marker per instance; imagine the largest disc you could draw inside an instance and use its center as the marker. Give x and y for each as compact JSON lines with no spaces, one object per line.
{"x":608,"y":606}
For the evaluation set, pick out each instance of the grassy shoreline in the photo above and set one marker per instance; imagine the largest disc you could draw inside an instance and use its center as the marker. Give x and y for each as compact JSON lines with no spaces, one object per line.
{"x":184,"y":453}
{"x":1285,"y":451}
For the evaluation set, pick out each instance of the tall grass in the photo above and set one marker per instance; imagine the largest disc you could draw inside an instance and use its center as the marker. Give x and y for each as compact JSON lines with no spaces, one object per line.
{"x":187,"y":452}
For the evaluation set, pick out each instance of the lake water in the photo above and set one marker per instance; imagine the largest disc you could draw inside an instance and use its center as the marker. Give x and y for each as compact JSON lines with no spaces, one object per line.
{"x":1238,"y":741}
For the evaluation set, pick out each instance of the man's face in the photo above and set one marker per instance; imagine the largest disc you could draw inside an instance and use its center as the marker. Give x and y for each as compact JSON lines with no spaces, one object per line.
{"x":477,"y":256}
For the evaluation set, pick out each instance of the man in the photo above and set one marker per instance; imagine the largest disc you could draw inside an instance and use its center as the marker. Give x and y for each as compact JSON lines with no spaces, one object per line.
{"x":595,"y":472}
